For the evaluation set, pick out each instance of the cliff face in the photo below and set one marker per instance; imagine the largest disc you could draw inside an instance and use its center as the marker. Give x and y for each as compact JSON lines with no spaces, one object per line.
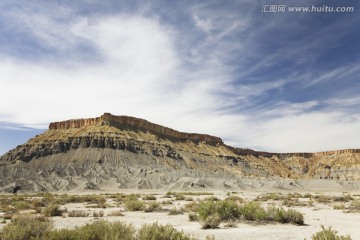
{"x":136,"y":124}
{"x":245,"y":151}
{"x":77,"y":147}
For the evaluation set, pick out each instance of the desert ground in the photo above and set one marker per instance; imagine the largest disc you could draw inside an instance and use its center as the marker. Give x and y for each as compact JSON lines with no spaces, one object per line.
{"x":337,"y":209}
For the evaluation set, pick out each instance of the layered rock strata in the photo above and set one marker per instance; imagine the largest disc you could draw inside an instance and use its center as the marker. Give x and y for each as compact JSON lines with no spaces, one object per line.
{"x":129,"y":152}
{"x":136,"y":124}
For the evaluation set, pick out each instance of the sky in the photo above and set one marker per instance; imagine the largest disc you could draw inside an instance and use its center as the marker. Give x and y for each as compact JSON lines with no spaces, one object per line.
{"x":270,"y":81}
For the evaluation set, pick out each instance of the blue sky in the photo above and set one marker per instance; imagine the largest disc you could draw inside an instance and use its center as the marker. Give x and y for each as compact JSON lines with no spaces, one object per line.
{"x":282,"y":82}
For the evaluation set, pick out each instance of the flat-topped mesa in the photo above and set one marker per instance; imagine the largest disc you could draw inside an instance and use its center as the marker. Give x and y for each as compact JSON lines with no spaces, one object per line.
{"x":136,"y":124}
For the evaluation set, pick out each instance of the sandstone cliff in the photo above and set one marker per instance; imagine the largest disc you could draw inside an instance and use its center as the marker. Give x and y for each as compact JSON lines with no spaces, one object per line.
{"x":134,"y":153}
{"x":135,"y":124}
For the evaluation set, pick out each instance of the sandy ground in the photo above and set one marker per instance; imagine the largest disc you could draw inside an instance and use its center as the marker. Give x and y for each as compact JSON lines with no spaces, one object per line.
{"x":315,"y":216}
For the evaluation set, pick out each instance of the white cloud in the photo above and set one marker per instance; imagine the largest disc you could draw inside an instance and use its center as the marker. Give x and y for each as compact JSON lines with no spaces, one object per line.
{"x":138,"y":70}
{"x":344,"y":102}
{"x":314,"y":131}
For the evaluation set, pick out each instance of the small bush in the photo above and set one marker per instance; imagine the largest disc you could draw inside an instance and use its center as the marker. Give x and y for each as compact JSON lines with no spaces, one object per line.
{"x":175,"y":211}
{"x":134,"y":205}
{"x":116,"y":214}
{"x":207,"y":209}
{"x":329,"y":234}
{"x":180,"y":197}
{"x":212,"y":198}
{"x":193,"y":217}
{"x":38,"y":204}
{"x":235,"y":199}
{"x":343,"y":198}
{"x":212,"y":213}
{"x":131,"y":197}
{"x":323,"y":199}
{"x":167,"y":202}
{"x":152,"y":206}
{"x":269,"y":196}
{"x":289,"y":202}
{"x":228,"y":210}
{"x":21,"y":205}
{"x":97,"y":230}
{"x":355,"y":206}
{"x":52,"y":210}
{"x":294,"y":217}
{"x":25,"y":227}
{"x":149,"y":197}
{"x":253,"y":211}
{"x":98,"y":214}
{"x":91,"y":199}
{"x":282,"y":216}
{"x":339,"y":206}
{"x":192,"y":206}
{"x":8,"y":216}
{"x":307,"y":195}
{"x":78,"y":213}
{"x":212,"y":221}
{"x":161,"y":232}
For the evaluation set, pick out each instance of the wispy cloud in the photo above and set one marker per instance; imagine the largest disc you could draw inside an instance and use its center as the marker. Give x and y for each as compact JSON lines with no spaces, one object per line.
{"x":222,"y":69}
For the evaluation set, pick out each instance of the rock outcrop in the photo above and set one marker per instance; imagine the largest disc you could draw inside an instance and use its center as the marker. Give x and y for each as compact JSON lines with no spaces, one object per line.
{"x":136,"y":124}
{"x":128,"y":152}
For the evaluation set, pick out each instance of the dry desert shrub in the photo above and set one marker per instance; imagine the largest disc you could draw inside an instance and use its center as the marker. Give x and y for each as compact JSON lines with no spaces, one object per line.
{"x":269,"y":196}
{"x":212,"y":213}
{"x":329,"y":234}
{"x":116,"y":213}
{"x":188,"y":193}
{"x":340,"y":206}
{"x":149,"y":197}
{"x":21,"y":205}
{"x":26,"y":227}
{"x":191,"y":206}
{"x":180,"y":197}
{"x":355,"y":206}
{"x":134,"y":205}
{"x":96,"y":200}
{"x":153,"y":206}
{"x":228,"y":211}
{"x":212,"y":221}
{"x":193,"y":217}
{"x":78,"y":213}
{"x":323,"y":198}
{"x":252,"y":211}
{"x":98,"y":214}
{"x":235,"y":199}
{"x":175,"y":211}
{"x":343,"y":198}
{"x":52,"y":210}
{"x":98,"y":230}
{"x":161,"y":232}
{"x":189,"y":199}
{"x":167,"y":202}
